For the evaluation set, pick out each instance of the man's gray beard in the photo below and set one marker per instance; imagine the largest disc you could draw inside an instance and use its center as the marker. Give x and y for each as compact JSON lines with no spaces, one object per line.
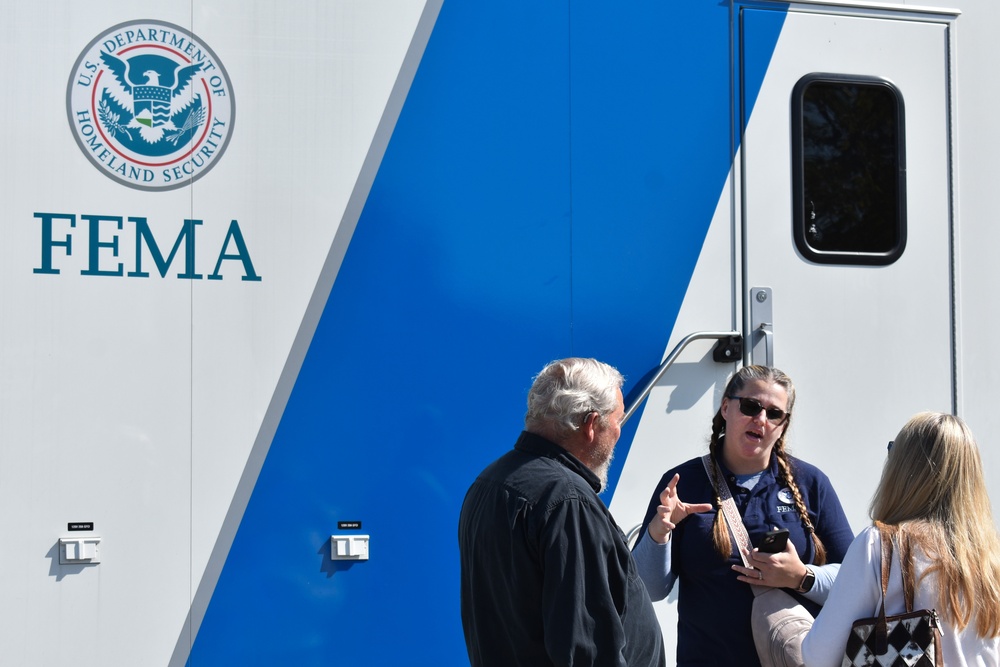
{"x":602,"y":472}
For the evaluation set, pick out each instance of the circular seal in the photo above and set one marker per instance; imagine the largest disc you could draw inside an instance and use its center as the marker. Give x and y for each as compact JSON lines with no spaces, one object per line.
{"x":150,"y":105}
{"x":785,"y":496}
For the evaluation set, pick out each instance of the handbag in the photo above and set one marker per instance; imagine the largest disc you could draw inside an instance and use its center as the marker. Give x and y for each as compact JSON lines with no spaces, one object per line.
{"x":912,"y":639}
{"x":779,"y":621}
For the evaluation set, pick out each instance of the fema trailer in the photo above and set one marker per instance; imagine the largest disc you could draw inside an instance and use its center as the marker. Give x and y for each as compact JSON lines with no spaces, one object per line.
{"x":275,"y":278}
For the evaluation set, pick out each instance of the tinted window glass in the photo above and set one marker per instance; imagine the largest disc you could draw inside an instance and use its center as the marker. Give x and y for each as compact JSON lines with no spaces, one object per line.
{"x":849,"y":170}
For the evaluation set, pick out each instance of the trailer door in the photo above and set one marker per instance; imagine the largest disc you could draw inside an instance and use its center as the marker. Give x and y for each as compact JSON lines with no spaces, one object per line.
{"x":847,"y":279}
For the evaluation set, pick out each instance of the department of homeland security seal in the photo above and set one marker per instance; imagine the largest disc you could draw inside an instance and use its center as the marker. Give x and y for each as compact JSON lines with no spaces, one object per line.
{"x":150,"y":105}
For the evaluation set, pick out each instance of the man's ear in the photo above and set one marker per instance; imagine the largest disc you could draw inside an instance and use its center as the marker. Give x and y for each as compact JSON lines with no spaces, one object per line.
{"x":589,"y":426}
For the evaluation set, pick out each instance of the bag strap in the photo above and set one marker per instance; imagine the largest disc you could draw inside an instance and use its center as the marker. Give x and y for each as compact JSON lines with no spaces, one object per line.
{"x":906,"y":569}
{"x":729,"y":511}
{"x":881,"y":626}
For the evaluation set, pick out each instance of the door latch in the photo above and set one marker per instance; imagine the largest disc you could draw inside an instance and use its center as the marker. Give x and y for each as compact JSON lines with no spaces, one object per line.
{"x":761,"y":327}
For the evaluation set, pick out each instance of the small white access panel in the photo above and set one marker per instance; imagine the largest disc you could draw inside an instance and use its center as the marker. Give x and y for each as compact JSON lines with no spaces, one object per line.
{"x":349,"y":547}
{"x":79,"y":550}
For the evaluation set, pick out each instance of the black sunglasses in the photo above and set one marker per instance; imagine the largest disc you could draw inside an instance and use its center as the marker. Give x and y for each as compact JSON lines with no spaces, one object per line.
{"x":751,"y":407}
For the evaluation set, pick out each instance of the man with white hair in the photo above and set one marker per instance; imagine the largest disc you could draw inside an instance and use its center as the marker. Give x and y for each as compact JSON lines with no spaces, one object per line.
{"x":547,"y":576}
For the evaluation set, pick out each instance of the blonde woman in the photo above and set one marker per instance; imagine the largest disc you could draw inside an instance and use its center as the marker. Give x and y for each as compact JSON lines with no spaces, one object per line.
{"x":933,"y":496}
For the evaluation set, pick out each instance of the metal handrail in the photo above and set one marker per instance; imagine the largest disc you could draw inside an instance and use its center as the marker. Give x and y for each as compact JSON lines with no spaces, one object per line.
{"x":668,"y":362}
{"x":630,"y":538}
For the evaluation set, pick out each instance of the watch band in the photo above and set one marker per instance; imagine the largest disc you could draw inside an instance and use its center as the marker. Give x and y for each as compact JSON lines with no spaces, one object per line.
{"x":808,"y":581}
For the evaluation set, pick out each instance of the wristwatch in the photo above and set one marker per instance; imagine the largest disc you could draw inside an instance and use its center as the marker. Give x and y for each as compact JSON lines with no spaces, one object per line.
{"x":807,"y":581}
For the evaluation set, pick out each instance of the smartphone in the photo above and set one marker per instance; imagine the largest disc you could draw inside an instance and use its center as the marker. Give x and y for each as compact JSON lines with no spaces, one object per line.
{"x":774,"y":541}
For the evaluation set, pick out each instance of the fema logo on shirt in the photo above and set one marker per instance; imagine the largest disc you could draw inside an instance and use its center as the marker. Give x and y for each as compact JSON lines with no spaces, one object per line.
{"x":785,"y":496}
{"x":150,"y":105}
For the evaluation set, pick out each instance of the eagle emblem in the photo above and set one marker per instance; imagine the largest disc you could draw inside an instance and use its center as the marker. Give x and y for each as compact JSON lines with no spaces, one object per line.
{"x":160,"y":107}
{"x":150,"y":105}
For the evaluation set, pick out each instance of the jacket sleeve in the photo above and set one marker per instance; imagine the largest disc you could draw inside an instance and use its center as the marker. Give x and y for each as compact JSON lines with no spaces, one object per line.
{"x":584,"y":587}
{"x":855,"y":595}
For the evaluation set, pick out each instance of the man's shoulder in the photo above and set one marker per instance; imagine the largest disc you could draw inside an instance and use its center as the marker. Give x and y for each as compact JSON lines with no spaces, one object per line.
{"x":536,"y":478}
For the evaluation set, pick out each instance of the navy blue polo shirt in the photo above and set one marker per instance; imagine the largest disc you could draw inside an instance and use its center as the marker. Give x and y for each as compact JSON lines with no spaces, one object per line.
{"x":713,"y":607}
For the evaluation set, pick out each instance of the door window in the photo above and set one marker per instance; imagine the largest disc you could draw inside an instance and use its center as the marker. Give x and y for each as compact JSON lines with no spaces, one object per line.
{"x":849,"y":177}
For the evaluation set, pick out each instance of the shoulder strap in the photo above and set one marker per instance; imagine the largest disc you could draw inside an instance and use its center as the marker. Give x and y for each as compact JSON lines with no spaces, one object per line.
{"x":881,"y":626}
{"x":886,"y":559}
{"x":729,"y":511}
{"x":906,"y":569}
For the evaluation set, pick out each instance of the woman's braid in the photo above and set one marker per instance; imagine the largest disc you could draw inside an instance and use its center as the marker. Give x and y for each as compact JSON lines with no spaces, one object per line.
{"x":720,"y":533}
{"x":785,"y":476}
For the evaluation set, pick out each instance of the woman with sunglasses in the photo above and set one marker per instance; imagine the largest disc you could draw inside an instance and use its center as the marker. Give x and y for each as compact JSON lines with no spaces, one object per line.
{"x":932,"y":500}
{"x":687,"y":541}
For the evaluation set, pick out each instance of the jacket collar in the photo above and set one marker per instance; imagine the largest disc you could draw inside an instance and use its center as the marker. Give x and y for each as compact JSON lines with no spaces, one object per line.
{"x":532,"y":443}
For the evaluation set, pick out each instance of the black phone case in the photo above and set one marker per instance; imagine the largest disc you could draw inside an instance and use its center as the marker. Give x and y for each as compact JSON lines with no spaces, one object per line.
{"x":774,"y":542}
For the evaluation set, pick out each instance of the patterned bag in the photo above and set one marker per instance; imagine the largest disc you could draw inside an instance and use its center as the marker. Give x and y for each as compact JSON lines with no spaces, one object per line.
{"x":912,"y":639}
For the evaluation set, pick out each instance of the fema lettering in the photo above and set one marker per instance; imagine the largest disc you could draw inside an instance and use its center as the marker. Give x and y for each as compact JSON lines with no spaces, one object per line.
{"x":107,"y":239}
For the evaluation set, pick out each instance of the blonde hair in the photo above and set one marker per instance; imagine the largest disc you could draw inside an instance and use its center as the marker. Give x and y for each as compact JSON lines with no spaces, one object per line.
{"x":720,"y":533}
{"x":934,"y":492}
